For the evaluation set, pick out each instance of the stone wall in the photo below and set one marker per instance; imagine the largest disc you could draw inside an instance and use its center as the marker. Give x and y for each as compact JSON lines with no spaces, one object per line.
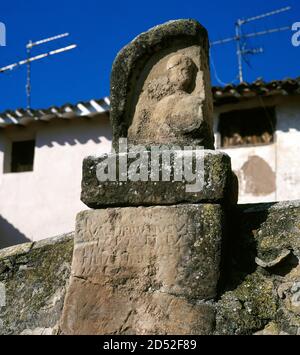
{"x":262,"y":285}
{"x":34,"y":276}
{"x":259,"y":292}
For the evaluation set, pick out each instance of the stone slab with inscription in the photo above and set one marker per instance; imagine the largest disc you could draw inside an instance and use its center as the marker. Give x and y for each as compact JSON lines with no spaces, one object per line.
{"x":145,"y":270}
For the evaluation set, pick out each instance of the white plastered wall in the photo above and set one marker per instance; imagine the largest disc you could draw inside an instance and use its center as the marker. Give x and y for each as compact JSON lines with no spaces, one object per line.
{"x":43,"y":203}
{"x":282,"y":157}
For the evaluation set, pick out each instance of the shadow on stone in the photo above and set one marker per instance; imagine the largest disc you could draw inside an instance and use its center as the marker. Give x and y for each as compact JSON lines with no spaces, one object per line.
{"x":240,"y":250}
{"x":9,"y":235}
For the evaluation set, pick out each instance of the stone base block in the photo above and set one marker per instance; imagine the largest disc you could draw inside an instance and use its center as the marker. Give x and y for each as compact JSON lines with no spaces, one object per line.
{"x":214,"y":181}
{"x":144,"y":270}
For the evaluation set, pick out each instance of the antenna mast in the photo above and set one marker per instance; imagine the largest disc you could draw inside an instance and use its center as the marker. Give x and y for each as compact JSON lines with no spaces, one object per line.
{"x":30,"y":59}
{"x":240,"y":38}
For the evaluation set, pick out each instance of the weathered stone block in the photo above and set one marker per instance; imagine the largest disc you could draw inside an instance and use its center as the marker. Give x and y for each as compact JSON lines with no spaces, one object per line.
{"x":219,"y":184}
{"x":144,"y":270}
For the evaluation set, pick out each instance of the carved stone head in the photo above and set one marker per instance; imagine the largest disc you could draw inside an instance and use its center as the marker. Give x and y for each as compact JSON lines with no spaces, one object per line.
{"x":181,"y":71}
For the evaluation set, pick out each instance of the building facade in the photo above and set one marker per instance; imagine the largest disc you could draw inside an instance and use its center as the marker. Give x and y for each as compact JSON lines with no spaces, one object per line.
{"x":258,"y":126}
{"x":41,"y":153}
{"x":40,"y":162}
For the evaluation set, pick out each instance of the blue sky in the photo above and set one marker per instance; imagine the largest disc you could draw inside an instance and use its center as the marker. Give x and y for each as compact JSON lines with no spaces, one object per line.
{"x":101,"y":29}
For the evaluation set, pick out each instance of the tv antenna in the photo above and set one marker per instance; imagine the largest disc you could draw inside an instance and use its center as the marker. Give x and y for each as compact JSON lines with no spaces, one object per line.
{"x":30,"y":59}
{"x":241,"y":38}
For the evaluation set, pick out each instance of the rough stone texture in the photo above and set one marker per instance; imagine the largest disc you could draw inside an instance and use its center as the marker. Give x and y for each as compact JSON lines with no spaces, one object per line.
{"x":160,"y":87}
{"x":220,"y":185}
{"x":145,"y":270}
{"x":262,"y":292}
{"x":253,"y":299}
{"x":35,"y":277}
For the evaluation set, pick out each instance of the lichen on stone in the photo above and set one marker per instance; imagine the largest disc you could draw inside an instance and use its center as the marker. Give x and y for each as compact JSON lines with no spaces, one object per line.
{"x":35,"y":277}
{"x":247,"y":308}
